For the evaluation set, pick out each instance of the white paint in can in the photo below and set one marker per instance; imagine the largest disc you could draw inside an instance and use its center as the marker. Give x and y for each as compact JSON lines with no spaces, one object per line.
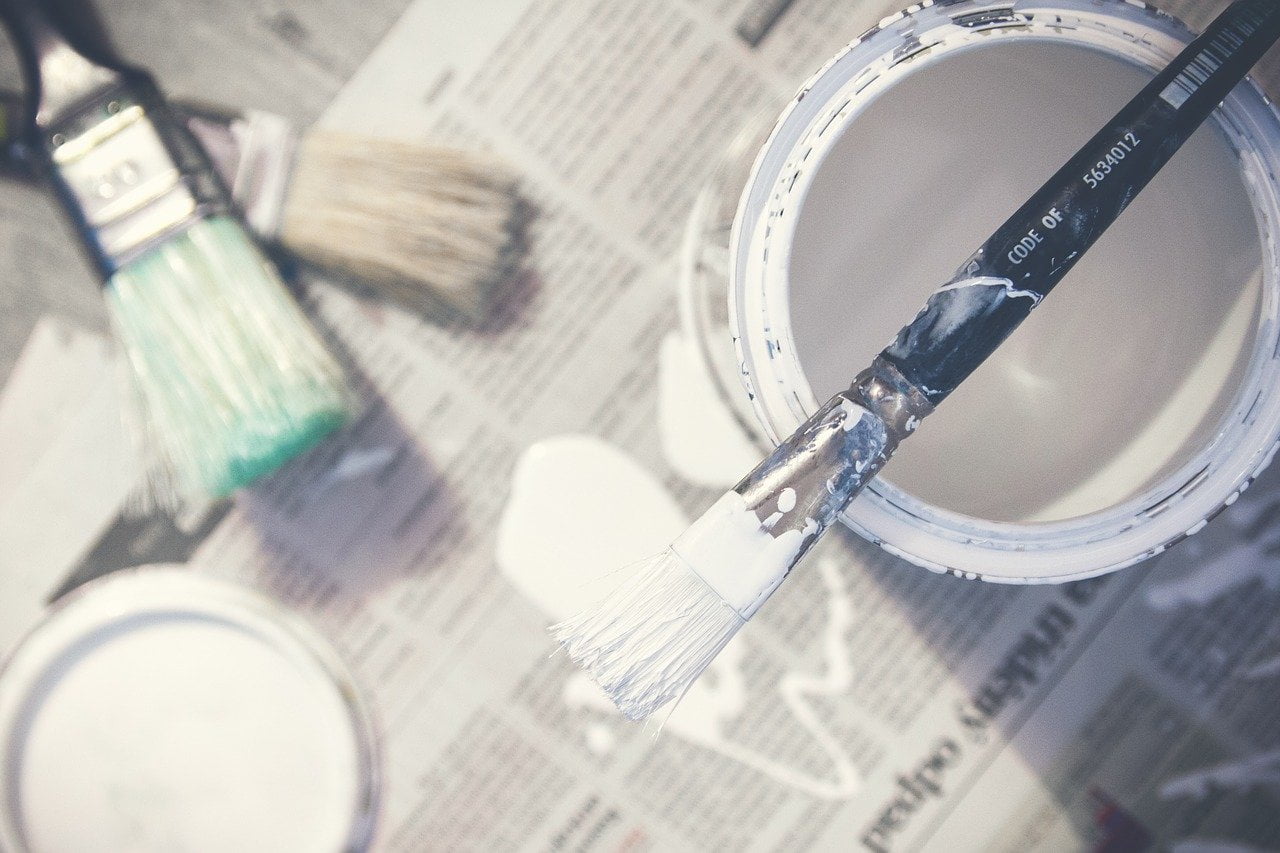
{"x":1146,"y":319}
{"x":1145,"y":383}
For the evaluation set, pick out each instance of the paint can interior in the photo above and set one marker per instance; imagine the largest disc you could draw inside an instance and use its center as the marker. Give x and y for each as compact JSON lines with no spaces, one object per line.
{"x":156,"y":709}
{"x":1133,"y":405}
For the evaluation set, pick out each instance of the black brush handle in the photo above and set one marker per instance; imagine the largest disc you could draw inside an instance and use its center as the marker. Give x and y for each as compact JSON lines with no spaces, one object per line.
{"x":59,"y":75}
{"x":966,"y":319}
{"x":101,"y":128}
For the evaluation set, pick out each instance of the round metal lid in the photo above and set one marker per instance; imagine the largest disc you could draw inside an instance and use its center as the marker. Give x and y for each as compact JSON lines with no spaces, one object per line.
{"x":159,"y":709}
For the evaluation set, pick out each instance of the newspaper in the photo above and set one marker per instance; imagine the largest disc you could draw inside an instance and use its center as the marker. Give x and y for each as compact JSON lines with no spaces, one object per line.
{"x":870,"y":705}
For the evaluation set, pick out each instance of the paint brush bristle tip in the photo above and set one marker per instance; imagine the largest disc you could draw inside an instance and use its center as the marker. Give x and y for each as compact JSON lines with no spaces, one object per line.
{"x":422,"y":225}
{"x":648,"y":641}
{"x":230,"y":379}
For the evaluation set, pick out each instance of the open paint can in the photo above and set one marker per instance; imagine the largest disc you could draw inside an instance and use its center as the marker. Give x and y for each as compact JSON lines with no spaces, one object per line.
{"x":156,"y":709}
{"x":1141,"y":398}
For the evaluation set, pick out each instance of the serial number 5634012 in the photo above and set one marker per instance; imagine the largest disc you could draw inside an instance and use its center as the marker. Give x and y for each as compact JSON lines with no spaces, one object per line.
{"x":1123,"y":148}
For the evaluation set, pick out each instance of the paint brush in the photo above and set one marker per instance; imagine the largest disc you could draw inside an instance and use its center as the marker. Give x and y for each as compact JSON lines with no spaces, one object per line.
{"x":423,"y":225}
{"x":647,"y":642}
{"x":231,"y":378}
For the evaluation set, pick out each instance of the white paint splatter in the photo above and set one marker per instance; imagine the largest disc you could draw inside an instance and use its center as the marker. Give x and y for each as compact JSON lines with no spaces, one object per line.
{"x":853,"y":414}
{"x":701,"y":440}
{"x":796,"y":687}
{"x":787,"y":500}
{"x":954,"y":313}
{"x":719,"y":698}
{"x":580,"y":508}
{"x":990,"y":281}
{"x":601,"y":739}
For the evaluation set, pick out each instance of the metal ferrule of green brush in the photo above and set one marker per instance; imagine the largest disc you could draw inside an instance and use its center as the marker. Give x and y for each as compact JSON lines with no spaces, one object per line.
{"x":251,"y":152}
{"x":129,"y":174}
{"x":128,"y":171}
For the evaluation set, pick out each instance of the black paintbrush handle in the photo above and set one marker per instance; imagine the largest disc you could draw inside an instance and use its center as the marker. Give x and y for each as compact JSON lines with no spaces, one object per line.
{"x":966,"y":319}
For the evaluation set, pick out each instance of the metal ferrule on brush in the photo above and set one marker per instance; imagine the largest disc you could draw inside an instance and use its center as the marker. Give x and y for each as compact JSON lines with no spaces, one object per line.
{"x":254,"y":153}
{"x":779,"y":510}
{"x":129,"y":173}
{"x":836,"y":452}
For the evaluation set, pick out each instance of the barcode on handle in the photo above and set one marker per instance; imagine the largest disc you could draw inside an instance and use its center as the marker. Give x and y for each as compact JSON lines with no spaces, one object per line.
{"x":1219,"y":50}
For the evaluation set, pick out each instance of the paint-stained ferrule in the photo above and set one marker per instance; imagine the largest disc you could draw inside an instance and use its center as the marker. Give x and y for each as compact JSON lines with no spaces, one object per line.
{"x":747,"y":543}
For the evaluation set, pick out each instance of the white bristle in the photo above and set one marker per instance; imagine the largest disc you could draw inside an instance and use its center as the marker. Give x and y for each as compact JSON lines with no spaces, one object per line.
{"x":420,"y":224}
{"x":649,"y":641}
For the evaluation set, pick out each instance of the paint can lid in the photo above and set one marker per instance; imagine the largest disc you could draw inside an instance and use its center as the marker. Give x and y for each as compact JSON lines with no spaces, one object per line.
{"x":159,"y":709}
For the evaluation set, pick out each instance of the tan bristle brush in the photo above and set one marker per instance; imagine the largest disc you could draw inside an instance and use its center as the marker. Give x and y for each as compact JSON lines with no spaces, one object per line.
{"x":422,"y":225}
{"x":231,"y":378}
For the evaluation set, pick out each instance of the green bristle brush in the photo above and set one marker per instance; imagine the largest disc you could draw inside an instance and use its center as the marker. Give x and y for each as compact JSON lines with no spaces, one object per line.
{"x":231,"y":378}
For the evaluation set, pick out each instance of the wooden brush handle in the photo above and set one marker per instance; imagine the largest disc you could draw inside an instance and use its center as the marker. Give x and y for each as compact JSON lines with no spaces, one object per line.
{"x":966,"y":319}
